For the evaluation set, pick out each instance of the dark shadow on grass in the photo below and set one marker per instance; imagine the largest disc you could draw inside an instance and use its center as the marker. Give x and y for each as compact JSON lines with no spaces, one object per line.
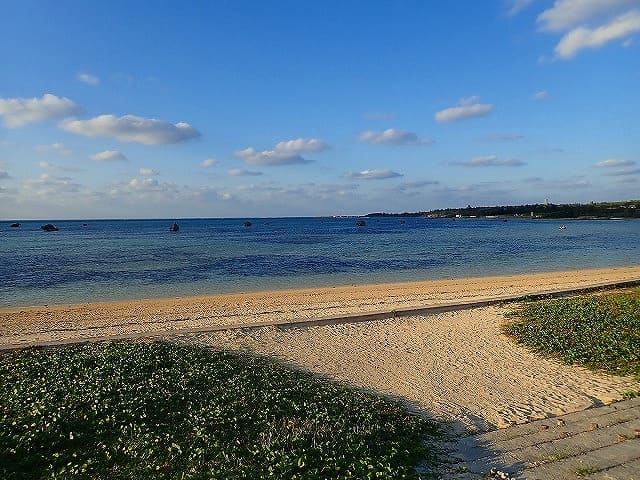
{"x":457,"y":447}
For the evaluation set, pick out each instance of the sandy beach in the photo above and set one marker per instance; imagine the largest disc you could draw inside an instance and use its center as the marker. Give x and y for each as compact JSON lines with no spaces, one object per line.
{"x":454,"y":366}
{"x":39,"y":324}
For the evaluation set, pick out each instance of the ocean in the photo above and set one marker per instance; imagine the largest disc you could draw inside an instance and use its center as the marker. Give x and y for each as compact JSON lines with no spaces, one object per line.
{"x":134,"y":259}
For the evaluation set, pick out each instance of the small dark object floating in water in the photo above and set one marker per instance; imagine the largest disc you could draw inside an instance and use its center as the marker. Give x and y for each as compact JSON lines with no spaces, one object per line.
{"x":360,"y":223}
{"x":84,"y":225}
{"x":15,"y":225}
{"x":49,"y":228}
{"x":402,"y":222}
{"x":247,"y":224}
{"x":174,"y":227}
{"x":563,"y":227}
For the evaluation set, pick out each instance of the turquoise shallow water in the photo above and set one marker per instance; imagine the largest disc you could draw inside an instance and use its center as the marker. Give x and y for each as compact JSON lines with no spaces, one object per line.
{"x":126,"y":259}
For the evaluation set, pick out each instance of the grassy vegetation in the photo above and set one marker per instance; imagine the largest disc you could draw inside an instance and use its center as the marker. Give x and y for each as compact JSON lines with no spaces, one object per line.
{"x":599,"y":331}
{"x":135,"y":410}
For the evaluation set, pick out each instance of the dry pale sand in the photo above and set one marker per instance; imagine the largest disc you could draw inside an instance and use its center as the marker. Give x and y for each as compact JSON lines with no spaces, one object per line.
{"x":38,"y":324}
{"x":455,"y":366}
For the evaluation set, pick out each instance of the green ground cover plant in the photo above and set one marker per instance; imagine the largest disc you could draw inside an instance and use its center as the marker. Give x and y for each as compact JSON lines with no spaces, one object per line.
{"x":600,"y":331}
{"x":128,"y":410}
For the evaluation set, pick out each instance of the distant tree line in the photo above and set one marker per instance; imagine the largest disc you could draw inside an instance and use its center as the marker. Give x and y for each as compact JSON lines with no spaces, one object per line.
{"x":629,"y":209}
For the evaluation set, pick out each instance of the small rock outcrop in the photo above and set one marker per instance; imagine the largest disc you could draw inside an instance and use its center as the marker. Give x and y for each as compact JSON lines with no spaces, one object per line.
{"x":15,"y":225}
{"x":360,"y":223}
{"x":174,"y":227}
{"x":49,"y":227}
{"x":247,"y":224}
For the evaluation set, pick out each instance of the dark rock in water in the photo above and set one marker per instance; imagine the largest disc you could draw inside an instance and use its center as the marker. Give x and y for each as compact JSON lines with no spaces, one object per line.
{"x":247,"y":224}
{"x":49,"y":228}
{"x":174,"y":227}
{"x":403,"y":222}
{"x":15,"y":225}
{"x":84,"y":224}
{"x":360,"y":223}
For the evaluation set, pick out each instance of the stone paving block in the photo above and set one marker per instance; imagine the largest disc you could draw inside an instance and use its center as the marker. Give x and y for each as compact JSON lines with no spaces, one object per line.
{"x":628,"y":471}
{"x":575,"y":467}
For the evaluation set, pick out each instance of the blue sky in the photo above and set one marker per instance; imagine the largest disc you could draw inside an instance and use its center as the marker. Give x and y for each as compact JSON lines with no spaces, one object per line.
{"x":281,"y":108}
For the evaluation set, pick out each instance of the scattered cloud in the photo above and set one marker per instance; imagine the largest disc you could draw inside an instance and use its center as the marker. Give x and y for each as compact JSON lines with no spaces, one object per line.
{"x":502,"y":137}
{"x":589,"y":23}
{"x":301,"y":145}
{"x":583,"y":37}
{"x":416,"y":184}
{"x":566,"y":14}
{"x":109,"y":156}
{"x":88,"y":79}
{"x":131,"y":128}
{"x":57,"y":148}
{"x":147,"y":172}
{"x":540,"y":95}
{"x":56,"y":167}
{"x":284,"y":153}
{"x":467,"y":108}
{"x":627,"y":43}
{"x":622,"y":172}
{"x":392,"y":136}
{"x":614,"y":162}
{"x":17,"y":112}
{"x":516,"y":6}
{"x":47,"y":185}
{"x":373,"y":174}
{"x":566,"y":184}
{"x":378,"y":116}
{"x":209,"y":162}
{"x":239,"y":172}
{"x":490,"y":161}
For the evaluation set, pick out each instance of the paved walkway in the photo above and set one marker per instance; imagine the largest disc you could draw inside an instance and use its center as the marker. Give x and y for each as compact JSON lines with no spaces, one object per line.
{"x":600,"y":443}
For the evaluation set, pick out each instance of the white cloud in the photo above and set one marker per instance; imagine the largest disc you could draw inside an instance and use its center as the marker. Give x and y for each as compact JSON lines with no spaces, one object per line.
{"x":209,"y":162}
{"x":490,"y":161}
{"x":516,"y":6}
{"x":147,"y":172}
{"x":131,"y":128}
{"x":301,"y":145}
{"x":566,"y":14}
{"x":584,"y":37}
{"x":109,"y":156}
{"x":57,"y":148}
{"x":47,"y":185}
{"x":468,"y":108}
{"x":58,"y":168}
{"x":88,"y":79}
{"x":622,"y":171}
{"x":614,"y":162}
{"x":17,"y":112}
{"x":540,"y":95}
{"x":239,"y":172}
{"x":284,"y":153}
{"x":392,"y":136}
{"x":627,"y":43}
{"x":373,"y":174}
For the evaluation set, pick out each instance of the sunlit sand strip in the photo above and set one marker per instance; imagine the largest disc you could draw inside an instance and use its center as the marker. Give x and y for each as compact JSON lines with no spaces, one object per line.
{"x":148,"y":318}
